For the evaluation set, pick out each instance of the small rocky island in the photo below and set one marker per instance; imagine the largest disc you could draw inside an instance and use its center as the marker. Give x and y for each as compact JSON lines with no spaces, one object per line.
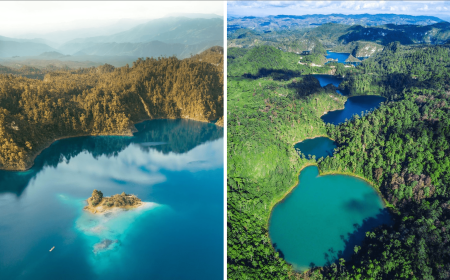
{"x":98,"y":204}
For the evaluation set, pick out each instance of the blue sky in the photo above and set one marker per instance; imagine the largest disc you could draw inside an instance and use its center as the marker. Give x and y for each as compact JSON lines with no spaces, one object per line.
{"x":440,"y":9}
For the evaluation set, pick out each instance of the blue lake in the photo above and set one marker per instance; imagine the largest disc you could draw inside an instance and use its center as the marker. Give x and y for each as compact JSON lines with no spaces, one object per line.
{"x":324,"y":218}
{"x":176,"y":166}
{"x":318,"y":147}
{"x":355,"y":105}
{"x":341,"y":57}
{"x":328,"y":79}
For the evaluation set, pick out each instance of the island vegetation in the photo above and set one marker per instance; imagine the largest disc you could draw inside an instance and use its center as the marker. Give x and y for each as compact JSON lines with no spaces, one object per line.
{"x":104,"y":100}
{"x":99,"y":204}
{"x":401,"y":148}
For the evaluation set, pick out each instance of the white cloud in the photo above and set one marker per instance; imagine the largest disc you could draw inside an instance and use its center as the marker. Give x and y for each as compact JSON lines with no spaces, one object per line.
{"x":425,"y":8}
{"x":263,"y":8}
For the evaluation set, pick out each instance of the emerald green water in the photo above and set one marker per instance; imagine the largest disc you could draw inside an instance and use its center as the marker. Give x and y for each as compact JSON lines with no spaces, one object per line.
{"x":318,"y":147}
{"x":324,"y":218}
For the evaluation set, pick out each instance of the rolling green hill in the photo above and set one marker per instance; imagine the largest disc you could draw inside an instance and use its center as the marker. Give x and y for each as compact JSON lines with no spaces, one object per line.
{"x":269,"y":61}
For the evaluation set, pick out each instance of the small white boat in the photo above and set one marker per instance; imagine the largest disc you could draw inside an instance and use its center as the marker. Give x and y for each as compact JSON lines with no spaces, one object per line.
{"x":52,"y":248}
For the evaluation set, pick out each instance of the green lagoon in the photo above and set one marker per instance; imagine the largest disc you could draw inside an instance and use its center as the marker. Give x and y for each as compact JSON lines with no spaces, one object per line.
{"x":324,"y":218}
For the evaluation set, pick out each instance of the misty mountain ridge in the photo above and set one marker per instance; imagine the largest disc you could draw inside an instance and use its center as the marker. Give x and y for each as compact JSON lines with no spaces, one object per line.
{"x":147,"y":49}
{"x":13,"y":48}
{"x":179,"y":30}
{"x":53,"y":55}
{"x":179,"y":36}
{"x":194,"y":15}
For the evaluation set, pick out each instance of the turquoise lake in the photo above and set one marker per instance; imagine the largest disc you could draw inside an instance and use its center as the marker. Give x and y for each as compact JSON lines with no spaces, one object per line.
{"x":318,"y":147}
{"x":323,"y":219}
{"x":176,"y":166}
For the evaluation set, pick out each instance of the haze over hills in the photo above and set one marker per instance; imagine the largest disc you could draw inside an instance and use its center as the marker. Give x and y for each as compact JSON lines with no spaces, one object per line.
{"x":179,"y":36}
{"x":13,"y":48}
{"x":170,"y":30}
{"x":293,"y":21}
{"x":359,"y":40}
{"x":194,"y":15}
{"x":56,"y":38}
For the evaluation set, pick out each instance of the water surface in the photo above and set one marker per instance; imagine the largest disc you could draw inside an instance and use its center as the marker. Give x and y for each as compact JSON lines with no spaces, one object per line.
{"x":340,"y":56}
{"x":318,"y":147}
{"x":356,"y":105}
{"x":174,"y":165}
{"x":328,"y":79}
{"x":324,"y":218}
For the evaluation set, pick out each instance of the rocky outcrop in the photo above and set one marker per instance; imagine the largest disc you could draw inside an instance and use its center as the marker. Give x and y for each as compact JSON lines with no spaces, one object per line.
{"x":97,"y":203}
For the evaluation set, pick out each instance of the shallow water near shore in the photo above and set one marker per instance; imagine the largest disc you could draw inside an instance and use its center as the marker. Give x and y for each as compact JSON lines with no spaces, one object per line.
{"x":323,"y":219}
{"x":175,"y":166}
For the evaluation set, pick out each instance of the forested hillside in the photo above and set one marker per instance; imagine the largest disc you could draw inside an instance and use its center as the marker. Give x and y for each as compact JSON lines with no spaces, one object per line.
{"x":402,"y":148}
{"x":104,"y":101}
{"x":266,"y":61}
{"x":294,"y":41}
{"x":399,"y":67}
{"x":265,"y":119}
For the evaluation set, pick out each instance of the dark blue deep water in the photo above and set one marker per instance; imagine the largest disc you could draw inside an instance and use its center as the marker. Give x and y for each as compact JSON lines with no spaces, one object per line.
{"x":356,"y":105}
{"x":318,"y":147}
{"x":176,"y":166}
{"x":328,"y":79}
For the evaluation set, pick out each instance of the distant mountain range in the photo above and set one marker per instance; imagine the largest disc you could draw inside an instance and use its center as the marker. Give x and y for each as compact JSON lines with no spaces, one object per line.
{"x":330,"y":34}
{"x":13,"y":47}
{"x":179,"y":36}
{"x":360,"y":41}
{"x":292,"y":21}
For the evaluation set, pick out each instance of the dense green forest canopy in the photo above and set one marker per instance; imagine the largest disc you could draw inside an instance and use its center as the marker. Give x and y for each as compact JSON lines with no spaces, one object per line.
{"x":269,"y":61}
{"x":104,"y":100}
{"x":265,"y":119}
{"x":402,"y":148}
{"x":400,"y":67}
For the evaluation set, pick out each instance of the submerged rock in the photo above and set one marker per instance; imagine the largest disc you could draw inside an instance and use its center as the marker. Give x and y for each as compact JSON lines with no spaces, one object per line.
{"x":105,"y":244}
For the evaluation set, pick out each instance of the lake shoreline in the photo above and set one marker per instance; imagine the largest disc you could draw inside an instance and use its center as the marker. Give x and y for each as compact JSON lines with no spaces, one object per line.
{"x":133,"y":129}
{"x":386,"y":204}
{"x":309,"y":138}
